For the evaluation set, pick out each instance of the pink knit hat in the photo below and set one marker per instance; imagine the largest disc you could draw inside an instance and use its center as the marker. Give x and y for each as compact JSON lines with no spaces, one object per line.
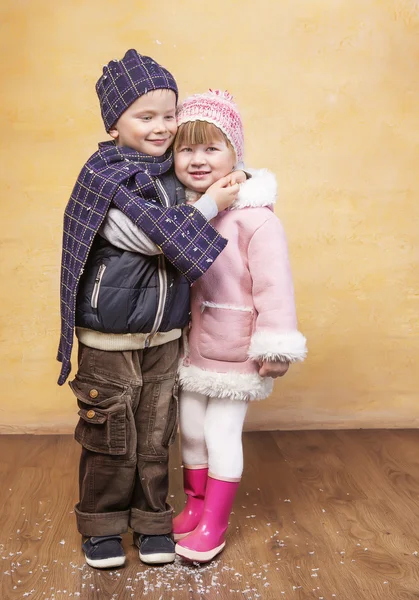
{"x":218,"y":108}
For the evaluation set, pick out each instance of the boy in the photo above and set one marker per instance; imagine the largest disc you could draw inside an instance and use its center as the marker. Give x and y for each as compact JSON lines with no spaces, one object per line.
{"x":129,"y":310}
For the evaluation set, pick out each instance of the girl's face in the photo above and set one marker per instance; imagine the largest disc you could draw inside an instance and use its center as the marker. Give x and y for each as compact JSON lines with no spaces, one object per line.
{"x":198,"y":166}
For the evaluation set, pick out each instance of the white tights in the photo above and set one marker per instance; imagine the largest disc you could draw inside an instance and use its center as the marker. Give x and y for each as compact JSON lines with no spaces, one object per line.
{"x":211,"y":433}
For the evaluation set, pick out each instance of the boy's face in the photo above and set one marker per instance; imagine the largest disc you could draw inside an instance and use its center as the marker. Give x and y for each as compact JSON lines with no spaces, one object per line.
{"x":149,"y":124}
{"x":200,"y":165}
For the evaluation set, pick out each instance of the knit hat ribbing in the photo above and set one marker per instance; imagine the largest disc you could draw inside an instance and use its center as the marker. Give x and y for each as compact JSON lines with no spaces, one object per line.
{"x":123,"y":81}
{"x":218,"y":108}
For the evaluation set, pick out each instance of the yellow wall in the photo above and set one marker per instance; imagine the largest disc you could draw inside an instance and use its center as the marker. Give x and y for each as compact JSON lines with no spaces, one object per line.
{"x":329,"y":92}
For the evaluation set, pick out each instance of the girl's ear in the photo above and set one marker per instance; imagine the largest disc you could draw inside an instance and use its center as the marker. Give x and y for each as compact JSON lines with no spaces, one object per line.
{"x":114,"y":133}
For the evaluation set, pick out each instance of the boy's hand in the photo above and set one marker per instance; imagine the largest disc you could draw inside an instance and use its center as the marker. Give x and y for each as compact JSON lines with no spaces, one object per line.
{"x":237,"y":177}
{"x":223,"y":192}
{"x":273,"y":369}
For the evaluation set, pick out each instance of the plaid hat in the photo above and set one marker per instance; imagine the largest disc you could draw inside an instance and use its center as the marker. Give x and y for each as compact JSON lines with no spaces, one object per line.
{"x":123,"y":81}
{"x":218,"y":108}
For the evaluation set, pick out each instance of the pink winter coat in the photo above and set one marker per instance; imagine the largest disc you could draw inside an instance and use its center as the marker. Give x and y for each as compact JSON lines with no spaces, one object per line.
{"x":243,"y":308}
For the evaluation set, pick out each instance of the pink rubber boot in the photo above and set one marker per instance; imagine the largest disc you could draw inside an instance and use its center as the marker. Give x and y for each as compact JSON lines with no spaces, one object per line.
{"x":194,"y":484}
{"x":208,"y":539}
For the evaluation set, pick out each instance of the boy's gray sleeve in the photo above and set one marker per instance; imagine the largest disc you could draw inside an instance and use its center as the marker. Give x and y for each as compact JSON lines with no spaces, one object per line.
{"x":207,"y":206}
{"x":120,"y":231}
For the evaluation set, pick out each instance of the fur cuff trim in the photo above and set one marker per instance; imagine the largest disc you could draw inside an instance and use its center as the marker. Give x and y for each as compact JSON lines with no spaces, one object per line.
{"x":231,"y":386}
{"x":289,"y":346}
{"x":259,"y":190}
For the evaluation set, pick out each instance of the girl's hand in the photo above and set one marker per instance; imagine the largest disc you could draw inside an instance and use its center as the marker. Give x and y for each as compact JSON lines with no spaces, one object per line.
{"x":273,"y":369}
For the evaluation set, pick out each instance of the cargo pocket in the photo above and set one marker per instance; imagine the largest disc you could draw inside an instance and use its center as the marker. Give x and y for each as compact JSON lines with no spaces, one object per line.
{"x":102,"y":425}
{"x":225,"y":333}
{"x":170,"y":431}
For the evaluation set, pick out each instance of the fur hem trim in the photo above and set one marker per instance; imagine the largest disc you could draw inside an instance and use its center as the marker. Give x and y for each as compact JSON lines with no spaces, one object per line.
{"x":288,"y":347}
{"x":259,"y":190}
{"x":231,"y":386}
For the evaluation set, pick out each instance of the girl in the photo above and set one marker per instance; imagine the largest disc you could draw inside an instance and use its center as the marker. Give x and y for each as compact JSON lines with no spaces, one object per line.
{"x":243,"y":325}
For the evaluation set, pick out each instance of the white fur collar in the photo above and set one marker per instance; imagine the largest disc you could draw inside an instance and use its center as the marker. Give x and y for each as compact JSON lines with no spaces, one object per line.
{"x":191,"y":196}
{"x":259,"y":190}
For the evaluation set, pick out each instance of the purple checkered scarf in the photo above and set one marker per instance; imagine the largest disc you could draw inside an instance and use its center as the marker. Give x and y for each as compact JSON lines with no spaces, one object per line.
{"x":125,"y":178}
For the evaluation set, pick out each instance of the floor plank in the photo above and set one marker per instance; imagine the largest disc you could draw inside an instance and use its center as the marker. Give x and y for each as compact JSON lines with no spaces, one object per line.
{"x":319,"y":515}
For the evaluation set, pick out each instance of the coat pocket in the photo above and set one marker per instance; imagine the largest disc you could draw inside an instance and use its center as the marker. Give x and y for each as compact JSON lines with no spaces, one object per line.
{"x":102,"y":425}
{"x":225,"y":332}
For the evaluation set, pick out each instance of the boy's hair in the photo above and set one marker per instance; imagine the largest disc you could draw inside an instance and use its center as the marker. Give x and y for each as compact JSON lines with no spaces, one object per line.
{"x":199,"y":132}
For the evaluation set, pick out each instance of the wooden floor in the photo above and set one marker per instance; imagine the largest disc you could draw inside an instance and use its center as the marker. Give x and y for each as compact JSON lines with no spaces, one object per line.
{"x":319,"y":515}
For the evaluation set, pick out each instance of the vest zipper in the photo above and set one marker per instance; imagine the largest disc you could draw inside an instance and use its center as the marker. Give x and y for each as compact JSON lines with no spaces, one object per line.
{"x":161,"y":303}
{"x":162,"y":279}
{"x":96,"y":287}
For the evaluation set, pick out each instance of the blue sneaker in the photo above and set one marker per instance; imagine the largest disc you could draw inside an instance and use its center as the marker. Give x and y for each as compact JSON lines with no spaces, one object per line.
{"x":104,"y":552}
{"x":155,"y":549}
